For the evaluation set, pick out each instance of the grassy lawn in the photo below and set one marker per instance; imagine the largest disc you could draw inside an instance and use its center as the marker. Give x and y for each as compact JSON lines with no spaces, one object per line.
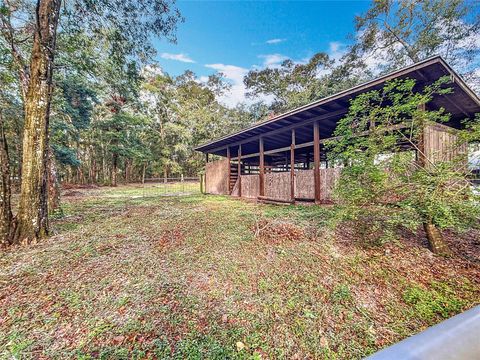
{"x":211,"y":277}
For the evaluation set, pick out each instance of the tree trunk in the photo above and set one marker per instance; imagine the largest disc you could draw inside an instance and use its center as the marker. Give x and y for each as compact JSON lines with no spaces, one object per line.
{"x":53,"y":184}
{"x":18,"y":148}
{"x":143,"y":173}
{"x":114,"y":170}
{"x":32,"y":215}
{"x":93,"y":174}
{"x":434,"y":235}
{"x":127,"y":171}
{"x":7,"y":224}
{"x":104,"y":167}
{"x":435,"y":239}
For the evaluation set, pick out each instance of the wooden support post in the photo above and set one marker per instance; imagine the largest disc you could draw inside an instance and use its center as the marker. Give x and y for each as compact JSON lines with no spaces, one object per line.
{"x":316,"y":161}
{"x":261,"y":176}
{"x":239,"y":171}
{"x":228,"y":169}
{"x":205,"y":177}
{"x":292,"y":167}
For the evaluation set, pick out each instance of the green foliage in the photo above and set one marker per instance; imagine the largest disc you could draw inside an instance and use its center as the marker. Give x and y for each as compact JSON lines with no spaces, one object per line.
{"x":341,"y":294}
{"x":182,"y":113}
{"x":292,"y":85}
{"x":78,"y":100}
{"x":383,"y":186}
{"x":97,"y":63}
{"x":401,"y":32}
{"x":439,"y":300}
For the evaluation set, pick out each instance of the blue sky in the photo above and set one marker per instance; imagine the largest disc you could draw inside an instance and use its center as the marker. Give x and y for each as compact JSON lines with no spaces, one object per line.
{"x":234,"y":37}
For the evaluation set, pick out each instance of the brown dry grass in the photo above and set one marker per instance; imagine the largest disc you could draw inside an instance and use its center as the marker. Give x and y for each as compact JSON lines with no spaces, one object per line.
{"x":211,"y":277}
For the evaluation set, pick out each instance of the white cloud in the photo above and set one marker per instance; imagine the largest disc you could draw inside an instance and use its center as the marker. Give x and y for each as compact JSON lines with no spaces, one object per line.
{"x":234,"y":74}
{"x":336,"y":50}
{"x":177,"y":57}
{"x":272,"y":60}
{"x":275,"y":41}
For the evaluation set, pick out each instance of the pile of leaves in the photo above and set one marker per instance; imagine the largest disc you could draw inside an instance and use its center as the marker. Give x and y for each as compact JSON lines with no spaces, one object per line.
{"x":274,"y":231}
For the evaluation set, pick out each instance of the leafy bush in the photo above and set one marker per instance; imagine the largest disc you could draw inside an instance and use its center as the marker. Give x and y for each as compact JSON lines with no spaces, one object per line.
{"x":389,"y":179}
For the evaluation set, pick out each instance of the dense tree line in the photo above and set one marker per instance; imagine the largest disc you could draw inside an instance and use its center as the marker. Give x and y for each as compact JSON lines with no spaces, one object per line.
{"x":149,"y":132}
{"x":81,"y":102}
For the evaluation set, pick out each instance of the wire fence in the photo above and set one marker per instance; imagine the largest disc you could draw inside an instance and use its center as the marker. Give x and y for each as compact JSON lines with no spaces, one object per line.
{"x":171,"y":186}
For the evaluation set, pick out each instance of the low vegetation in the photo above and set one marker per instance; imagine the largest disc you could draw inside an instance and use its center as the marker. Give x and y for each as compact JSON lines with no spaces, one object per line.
{"x":129,"y":276}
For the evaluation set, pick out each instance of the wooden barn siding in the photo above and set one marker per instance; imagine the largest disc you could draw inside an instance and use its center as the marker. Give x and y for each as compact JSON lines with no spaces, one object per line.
{"x":328,"y":180}
{"x":250,"y":186}
{"x":440,"y":143}
{"x":277,"y":186}
{"x":236,"y":189}
{"x":304,"y":184}
{"x":216,"y":173}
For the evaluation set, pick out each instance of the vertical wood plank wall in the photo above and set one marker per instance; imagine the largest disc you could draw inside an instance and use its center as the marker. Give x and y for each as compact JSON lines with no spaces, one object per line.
{"x":328,"y":180}
{"x":250,"y":186}
{"x":216,"y":180}
{"x":277,"y":186}
{"x":440,"y":144}
{"x":229,"y":170}
{"x":304,"y":184}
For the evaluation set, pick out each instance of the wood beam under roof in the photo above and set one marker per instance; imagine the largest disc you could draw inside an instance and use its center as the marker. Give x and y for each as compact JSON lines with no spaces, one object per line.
{"x":283,"y":129}
{"x":261,"y":177}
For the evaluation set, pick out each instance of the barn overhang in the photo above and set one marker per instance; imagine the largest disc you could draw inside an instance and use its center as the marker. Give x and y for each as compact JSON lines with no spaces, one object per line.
{"x":276,"y":132}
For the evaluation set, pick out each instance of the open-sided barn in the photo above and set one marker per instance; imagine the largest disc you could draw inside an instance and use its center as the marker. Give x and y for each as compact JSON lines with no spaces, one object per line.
{"x":284,"y":158}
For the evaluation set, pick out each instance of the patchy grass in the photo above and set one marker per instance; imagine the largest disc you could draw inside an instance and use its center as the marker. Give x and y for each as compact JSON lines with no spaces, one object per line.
{"x":210,"y":277}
